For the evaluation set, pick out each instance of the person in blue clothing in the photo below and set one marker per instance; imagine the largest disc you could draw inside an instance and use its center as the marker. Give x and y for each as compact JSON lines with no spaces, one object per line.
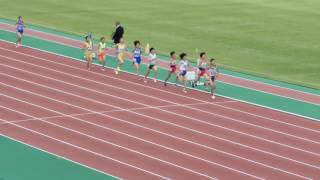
{"x":136,"y":59}
{"x":19,"y":28}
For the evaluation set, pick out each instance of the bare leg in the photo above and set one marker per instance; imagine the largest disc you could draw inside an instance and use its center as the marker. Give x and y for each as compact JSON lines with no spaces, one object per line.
{"x":19,"y":39}
{"x":168,"y":77}
{"x":137,"y":69}
{"x":207,"y":82}
{"x":194,"y":84}
{"x":184,"y":84}
{"x":213,"y":88}
{"x":155,"y":71}
{"x":119,"y":64}
{"x":89,"y":60}
{"x":177,"y":79}
{"x":146,"y":75}
{"x":103,"y":63}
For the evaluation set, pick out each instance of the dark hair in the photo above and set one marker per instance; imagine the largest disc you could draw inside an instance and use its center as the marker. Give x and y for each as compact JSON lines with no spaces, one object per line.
{"x":151,"y":49}
{"x":102,"y":38}
{"x":172,"y":53}
{"x":86,"y":37}
{"x":212,"y":59}
{"x":136,"y":42}
{"x":19,"y":17}
{"x":182,"y":55}
{"x":202,"y":53}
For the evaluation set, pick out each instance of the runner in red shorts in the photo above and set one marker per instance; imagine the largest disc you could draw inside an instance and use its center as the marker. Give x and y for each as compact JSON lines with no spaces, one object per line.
{"x":173,"y":68}
{"x":102,"y":52}
{"x":202,"y":66}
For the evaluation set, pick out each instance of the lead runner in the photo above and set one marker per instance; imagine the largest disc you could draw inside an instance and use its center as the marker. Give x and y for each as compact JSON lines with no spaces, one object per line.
{"x":19,"y":29}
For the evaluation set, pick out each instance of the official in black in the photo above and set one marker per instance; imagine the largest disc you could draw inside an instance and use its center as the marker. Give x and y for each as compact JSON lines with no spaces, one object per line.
{"x":118,"y":34}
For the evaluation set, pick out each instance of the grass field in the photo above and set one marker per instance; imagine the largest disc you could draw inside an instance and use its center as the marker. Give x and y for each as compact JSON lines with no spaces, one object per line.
{"x":278,"y":39}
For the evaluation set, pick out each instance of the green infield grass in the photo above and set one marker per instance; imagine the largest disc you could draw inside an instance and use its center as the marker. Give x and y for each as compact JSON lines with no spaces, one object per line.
{"x":277,"y":39}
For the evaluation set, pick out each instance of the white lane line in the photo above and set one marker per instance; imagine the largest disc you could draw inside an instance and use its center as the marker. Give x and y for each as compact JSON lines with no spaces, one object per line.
{"x":217,"y":80}
{"x":107,"y":104}
{"x":253,"y":89}
{"x":118,"y":107}
{"x":243,"y":101}
{"x":116,"y":110}
{"x":304,"y":92}
{"x":81,"y":148}
{"x":194,"y":119}
{"x":82,"y":108}
{"x":104,"y":141}
{"x":188,"y":97}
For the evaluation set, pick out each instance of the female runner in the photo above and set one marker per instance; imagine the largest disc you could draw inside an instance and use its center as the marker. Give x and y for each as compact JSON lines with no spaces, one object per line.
{"x":183,"y":66}
{"x":152,"y":65}
{"x":102,"y":52}
{"x":202,"y":67}
{"x":173,"y":68}
{"x":136,"y":59}
{"x":88,"y":53}
{"x":19,"y":29}
{"x":213,"y":73}
{"x":120,"y":49}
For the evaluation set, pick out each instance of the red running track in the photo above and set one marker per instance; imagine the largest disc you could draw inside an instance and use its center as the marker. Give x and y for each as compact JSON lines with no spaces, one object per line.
{"x":133,"y":130}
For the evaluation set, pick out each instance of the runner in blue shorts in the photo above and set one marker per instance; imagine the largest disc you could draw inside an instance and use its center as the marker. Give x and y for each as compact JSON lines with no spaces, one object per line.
{"x":19,"y":29}
{"x":183,"y":67}
{"x":136,"y":60}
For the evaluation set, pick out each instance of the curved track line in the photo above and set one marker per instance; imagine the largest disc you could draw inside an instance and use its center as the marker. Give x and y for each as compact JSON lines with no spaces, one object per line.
{"x":146,"y":140}
{"x":148,"y":116}
{"x":75,"y":146}
{"x":123,"y":80}
{"x":194,"y":119}
{"x":92,"y":137}
{"x":53,"y":154}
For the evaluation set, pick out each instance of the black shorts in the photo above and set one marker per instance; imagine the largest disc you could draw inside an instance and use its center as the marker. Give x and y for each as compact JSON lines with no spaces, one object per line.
{"x":151,"y":66}
{"x":213,"y":78}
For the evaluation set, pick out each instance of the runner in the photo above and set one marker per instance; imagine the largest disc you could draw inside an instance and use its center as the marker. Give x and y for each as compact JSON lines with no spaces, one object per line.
{"x":152,"y":65}
{"x":102,"y":52}
{"x":120,"y":49}
{"x":136,"y":59}
{"x":87,"y":47}
{"x":173,"y":68}
{"x":202,"y":67}
{"x":183,"y":67}
{"x":19,"y":30}
{"x":213,"y":73}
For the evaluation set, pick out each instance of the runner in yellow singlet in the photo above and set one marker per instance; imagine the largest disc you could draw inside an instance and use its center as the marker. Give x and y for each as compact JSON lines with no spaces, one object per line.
{"x":88,"y":53}
{"x":120,"y":54}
